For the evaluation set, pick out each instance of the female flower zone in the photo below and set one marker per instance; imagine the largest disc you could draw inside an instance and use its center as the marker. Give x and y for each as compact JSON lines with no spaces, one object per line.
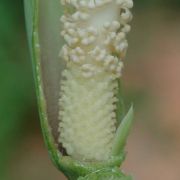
{"x":95,"y":35}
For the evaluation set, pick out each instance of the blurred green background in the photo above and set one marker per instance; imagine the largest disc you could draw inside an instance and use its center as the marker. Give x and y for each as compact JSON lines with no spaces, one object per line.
{"x":151,"y":80}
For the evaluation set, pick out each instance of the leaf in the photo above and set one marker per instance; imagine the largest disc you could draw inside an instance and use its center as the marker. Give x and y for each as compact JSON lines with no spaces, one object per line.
{"x":122,"y":133}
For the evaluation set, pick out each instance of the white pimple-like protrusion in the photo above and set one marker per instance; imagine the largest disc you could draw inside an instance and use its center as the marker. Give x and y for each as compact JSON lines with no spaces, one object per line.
{"x":107,"y":24}
{"x":101,"y":55}
{"x":92,"y":39}
{"x":79,"y":50}
{"x":109,"y":60}
{"x":81,"y":33}
{"x":115,"y":25}
{"x":85,"y":41}
{"x":84,"y":16}
{"x":91,"y":5}
{"x":125,"y":3}
{"x":121,"y":35}
{"x":99,"y":2}
{"x":77,"y":16}
{"x":75,"y":58}
{"x":92,"y":30}
{"x":69,"y":25}
{"x":129,"y":4}
{"x":126,"y":28}
{"x":83,"y":4}
{"x":64,"y":19}
{"x":126,"y":15}
{"x":120,"y":2}
{"x":88,"y":74}
{"x":112,"y":35}
{"x":72,"y":32}
{"x":122,"y":46}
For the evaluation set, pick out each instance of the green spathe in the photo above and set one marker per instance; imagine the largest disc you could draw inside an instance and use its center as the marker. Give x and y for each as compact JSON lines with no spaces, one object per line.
{"x":72,"y":168}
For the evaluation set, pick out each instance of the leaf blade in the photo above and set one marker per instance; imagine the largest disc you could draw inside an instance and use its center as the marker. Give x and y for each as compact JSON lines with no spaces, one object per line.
{"x":122,"y":133}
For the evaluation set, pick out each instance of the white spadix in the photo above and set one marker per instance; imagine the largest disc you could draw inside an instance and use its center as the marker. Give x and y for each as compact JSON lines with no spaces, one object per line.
{"x":95,"y":35}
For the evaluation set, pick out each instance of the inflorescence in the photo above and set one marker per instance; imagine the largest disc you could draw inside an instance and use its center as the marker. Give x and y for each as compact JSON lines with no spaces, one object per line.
{"x":95,"y":35}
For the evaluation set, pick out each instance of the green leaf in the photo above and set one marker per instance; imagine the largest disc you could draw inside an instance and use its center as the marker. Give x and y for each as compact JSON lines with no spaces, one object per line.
{"x":122,"y":133}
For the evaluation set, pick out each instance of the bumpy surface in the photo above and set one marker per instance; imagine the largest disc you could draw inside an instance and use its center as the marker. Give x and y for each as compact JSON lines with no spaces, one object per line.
{"x":95,"y":34}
